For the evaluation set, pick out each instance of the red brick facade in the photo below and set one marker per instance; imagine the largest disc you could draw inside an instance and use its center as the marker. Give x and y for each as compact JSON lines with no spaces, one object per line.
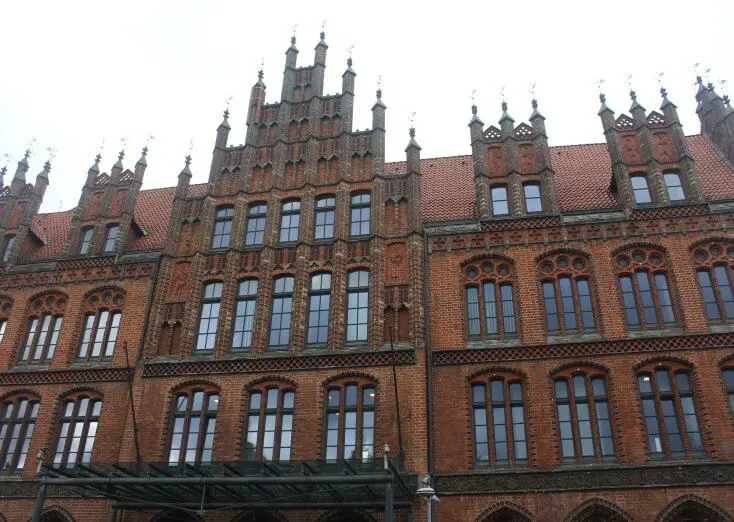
{"x":545,"y":331}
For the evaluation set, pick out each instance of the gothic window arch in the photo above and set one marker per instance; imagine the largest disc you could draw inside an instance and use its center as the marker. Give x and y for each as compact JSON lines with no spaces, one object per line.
{"x":714,"y":262}
{"x":79,"y":416}
{"x":102,"y":317}
{"x":565,"y":280}
{"x":270,"y":412}
{"x":17,"y":423}
{"x":498,"y":419}
{"x":490,"y":301}
{"x":645,"y":287}
{"x":350,"y":419}
{"x":669,"y":410}
{"x":45,"y":318}
{"x":583,"y":414}
{"x":193,"y":425}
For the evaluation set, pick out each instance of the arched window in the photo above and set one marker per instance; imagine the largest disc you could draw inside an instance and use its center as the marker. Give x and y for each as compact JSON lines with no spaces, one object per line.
{"x":645,"y":290}
{"x":640,"y":189}
{"x":192,"y":426}
{"x":360,"y":215}
{"x":86,"y":240}
{"x":281,"y":312}
{"x":728,"y":374}
{"x":101,"y":324}
{"x":17,"y":422}
{"x":498,"y":416}
{"x":490,"y":300}
{"x":222,"y":227}
{"x":671,"y":422}
{"x":350,"y":421}
{"x":500,"y":206}
{"x":290,"y":221}
{"x":319,"y":296}
{"x":325,"y":217}
{"x":270,"y":423}
{"x":209,"y":316}
{"x":78,"y":424}
{"x":244,"y":319}
{"x":567,"y":293}
{"x":533,"y":201}
{"x":358,"y":301}
{"x":673,"y":184}
{"x":715,"y":271}
{"x":256,"y":217}
{"x":44,"y":326}
{"x":584,"y":420}
{"x":111,"y":238}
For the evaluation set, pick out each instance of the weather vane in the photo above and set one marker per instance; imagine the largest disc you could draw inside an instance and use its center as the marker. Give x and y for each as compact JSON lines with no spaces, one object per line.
{"x":29,"y":148}
{"x":191,"y":146}
{"x":628,"y":81}
{"x":323,"y":25}
{"x":148,"y":138}
{"x":379,"y":81}
{"x":51,"y":153}
{"x":294,"y":30}
{"x":412,"y":119}
{"x":473,"y":96}
{"x":532,"y":89}
{"x":350,"y":50}
{"x":600,"y":84}
{"x":659,"y":77}
{"x":123,"y":143}
{"x":7,"y":157}
{"x":502,"y":93}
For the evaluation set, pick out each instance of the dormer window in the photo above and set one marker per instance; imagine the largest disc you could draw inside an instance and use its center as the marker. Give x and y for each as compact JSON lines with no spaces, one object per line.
{"x":673,"y":184}
{"x":109,"y":242}
{"x":533,"y":203}
{"x":499,"y":200}
{"x":640,"y":189}
{"x":86,"y":241}
{"x":8,"y":247}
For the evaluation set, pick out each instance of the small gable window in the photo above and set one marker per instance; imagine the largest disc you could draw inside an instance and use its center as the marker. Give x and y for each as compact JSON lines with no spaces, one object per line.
{"x":640,"y":189}
{"x":673,"y":184}
{"x":500,"y":206}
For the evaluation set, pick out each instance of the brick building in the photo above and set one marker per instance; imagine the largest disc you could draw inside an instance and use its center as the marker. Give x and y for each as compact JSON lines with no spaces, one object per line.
{"x":545,"y":331}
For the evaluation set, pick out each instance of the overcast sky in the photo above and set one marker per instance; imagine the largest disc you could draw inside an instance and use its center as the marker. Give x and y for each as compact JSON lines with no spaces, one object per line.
{"x":77,"y":72}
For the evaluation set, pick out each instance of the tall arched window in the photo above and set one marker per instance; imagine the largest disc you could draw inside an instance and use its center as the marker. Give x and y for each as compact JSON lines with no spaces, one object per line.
{"x":669,"y":409}
{"x":46,"y":315}
{"x":101,"y":324}
{"x":533,"y":201}
{"x":319,"y":297}
{"x":360,"y":215}
{"x":281,"y":311}
{"x":206,"y":339}
{"x":222,"y":227}
{"x":645,"y":289}
{"x":500,"y":205}
{"x":498,"y":417}
{"x":715,"y":271}
{"x":584,"y":420}
{"x":674,"y":186}
{"x":270,"y":423}
{"x":192,"y":426}
{"x":244,"y":319}
{"x":490,"y":300}
{"x":325,"y":217}
{"x":567,"y":293}
{"x":640,"y":189}
{"x":358,"y":302}
{"x":350,"y":420}
{"x":17,"y":423}
{"x":78,"y":424}
{"x":290,"y":221}
{"x":256,"y":216}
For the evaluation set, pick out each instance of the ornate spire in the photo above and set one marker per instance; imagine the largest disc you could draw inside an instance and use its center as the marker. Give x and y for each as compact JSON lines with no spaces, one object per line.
{"x":536,"y":112}
{"x":322,"y":41}
{"x":143,"y":154}
{"x":23,"y":166}
{"x":474,"y":118}
{"x":95,"y":166}
{"x":603,"y":100}
{"x":505,"y":114}
{"x":635,"y":105}
{"x":46,"y":168}
{"x":379,"y":98}
{"x":186,"y":170}
{"x":225,"y":119}
{"x":118,"y":163}
{"x":666,"y":101}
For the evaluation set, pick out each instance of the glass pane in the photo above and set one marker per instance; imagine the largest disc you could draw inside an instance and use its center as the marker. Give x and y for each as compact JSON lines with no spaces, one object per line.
{"x":516,"y":392}
{"x":499,"y":201}
{"x":472,"y":301}
{"x":579,"y":386}
{"x":496,"y":388}
{"x":561,"y":389}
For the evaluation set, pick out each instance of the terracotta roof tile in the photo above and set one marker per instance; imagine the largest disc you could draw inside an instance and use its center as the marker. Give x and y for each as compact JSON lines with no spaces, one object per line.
{"x":52,"y":228}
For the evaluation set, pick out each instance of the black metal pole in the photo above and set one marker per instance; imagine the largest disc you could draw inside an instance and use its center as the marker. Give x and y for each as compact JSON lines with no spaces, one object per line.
{"x":113,"y":515}
{"x":138,"y":456}
{"x":40,"y":500}
{"x":397,"y":402}
{"x":388,"y":502}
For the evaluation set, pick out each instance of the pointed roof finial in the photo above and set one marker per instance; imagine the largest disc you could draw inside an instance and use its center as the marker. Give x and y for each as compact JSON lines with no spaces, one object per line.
{"x":293,"y":38}
{"x":379,"y":87}
{"x":505,"y":114}
{"x":322,"y":34}
{"x":46,"y":168}
{"x":349,"y":57}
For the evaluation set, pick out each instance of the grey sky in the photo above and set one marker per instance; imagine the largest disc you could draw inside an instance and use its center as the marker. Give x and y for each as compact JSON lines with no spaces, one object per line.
{"x":76,"y":72}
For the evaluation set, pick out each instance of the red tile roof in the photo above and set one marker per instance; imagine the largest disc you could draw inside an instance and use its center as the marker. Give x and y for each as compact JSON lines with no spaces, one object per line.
{"x":583,"y":175}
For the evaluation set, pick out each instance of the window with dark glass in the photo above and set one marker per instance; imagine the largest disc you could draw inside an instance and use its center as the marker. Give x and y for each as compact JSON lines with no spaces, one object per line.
{"x":583,"y":417}
{"x":729,"y":384}
{"x":671,"y":422}
{"x":358,"y":297}
{"x":280,"y":317}
{"x":86,"y":242}
{"x":77,"y":431}
{"x":673,"y":184}
{"x":325,"y":217}
{"x":715,"y":272}
{"x":3,"y":326}
{"x":318,"y":308}
{"x":193,"y":426}
{"x":209,"y":317}
{"x":350,"y":422}
{"x":640,"y":189}
{"x":110,"y":238}
{"x":360,"y":215}
{"x":244,"y":319}
{"x":490,"y":301}
{"x":99,"y":335}
{"x":533,"y":202}
{"x":17,"y":423}
{"x":567,"y":297}
{"x":41,"y":338}
{"x":500,"y":206}
{"x":8,"y":247}
{"x":270,"y":425}
{"x":290,"y":221}
{"x":498,"y":415}
{"x":256,"y":217}
{"x":222,"y":227}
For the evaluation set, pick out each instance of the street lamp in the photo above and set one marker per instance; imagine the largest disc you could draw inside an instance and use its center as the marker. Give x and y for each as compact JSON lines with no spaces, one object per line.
{"x":428,"y":496}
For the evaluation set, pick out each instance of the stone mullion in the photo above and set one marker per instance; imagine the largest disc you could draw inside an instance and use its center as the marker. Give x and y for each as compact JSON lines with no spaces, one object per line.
{"x":342,"y":212}
{"x":306,"y":225}
{"x":157,"y":311}
{"x":206,"y":229}
{"x":278,"y":157}
{"x":192,"y":311}
{"x":337,"y":301}
{"x":415,"y":289}
{"x":515,"y":194}
{"x":263,"y":305}
{"x":239,"y":223}
{"x":657,"y":184}
{"x":376,"y":319}
{"x":227,"y":304}
{"x":378,"y":198}
{"x":299,"y":314}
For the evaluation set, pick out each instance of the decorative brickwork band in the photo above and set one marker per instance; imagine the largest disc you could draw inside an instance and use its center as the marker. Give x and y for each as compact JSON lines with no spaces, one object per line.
{"x":66,"y":376}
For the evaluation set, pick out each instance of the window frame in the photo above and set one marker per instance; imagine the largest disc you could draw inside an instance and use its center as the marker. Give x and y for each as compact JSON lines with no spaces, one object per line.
{"x":34,"y":333}
{"x":85,"y":243}
{"x":262,"y":411}
{"x":319,"y":293}
{"x":708,"y":258}
{"x":245,"y":299}
{"x":256,"y":211}
{"x":499,"y":273}
{"x":226,"y":217}
{"x":73,"y":419}
{"x":575,"y":267}
{"x":205,"y":414}
{"x":8,"y":244}
{"x":290,"y":213}
{"x":24,"y":438}
{"x":326,"y":210}
{"x":643,"y":176}
{"x":212,"y":301}
{"x":89,"y":345}
{"x":341,"y":410}
{"x":669,"y":186}
{"x":728,"y":370}
{"x":493,"y":200}
{"x":284,"y":294}
{"x":106,"y":247}
{"x":357,"y":290}
{"x":357,"y":204}
{"x":526,"y":198}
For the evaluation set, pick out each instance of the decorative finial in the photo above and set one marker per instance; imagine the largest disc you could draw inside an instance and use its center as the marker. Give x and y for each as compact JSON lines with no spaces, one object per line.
{"x":187,"y":159}
{"x":473,"y":101}
{"x":293,"y":38}
{"x":633,"y":95}
{"x":602,"y":97}
{"x":379,"y":86}
{"x":412,"y":123}
{"x":349,"y":58}
{"x":51,"y":154}
{"x":504,"y":106}
{"x":532,"y":90}
{"x":502,"y":94}
{"x":97,"y":159}
{"x":322,"y":35}
{"x":600,"y":84}
{"x":123,"y":146}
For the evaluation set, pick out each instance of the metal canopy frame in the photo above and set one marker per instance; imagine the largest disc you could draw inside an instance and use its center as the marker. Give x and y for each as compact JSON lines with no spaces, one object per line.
{"x":296,"y":485}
